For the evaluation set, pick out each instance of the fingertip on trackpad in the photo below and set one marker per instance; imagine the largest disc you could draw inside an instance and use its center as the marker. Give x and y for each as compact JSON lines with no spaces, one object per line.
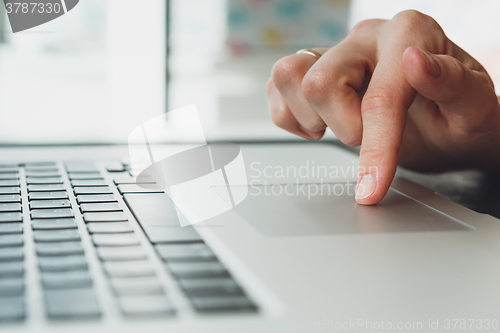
{"x":330,"y":208}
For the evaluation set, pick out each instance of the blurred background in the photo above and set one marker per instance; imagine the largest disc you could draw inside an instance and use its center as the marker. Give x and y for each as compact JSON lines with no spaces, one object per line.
{"x":94,"y":74}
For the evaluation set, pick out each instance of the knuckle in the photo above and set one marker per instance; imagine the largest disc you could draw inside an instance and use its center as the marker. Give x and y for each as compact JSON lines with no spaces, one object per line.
{"x":365,"y":26}
{"x":315,"y":86}
{"x":351,"y":135}
{"x":285,"y":71}
{"x":314,"y":123}
{"x":380,"y":150}
{"x":352,"y":140}
{"x":412,"y":21}
{"x":409,"y":15}
{"x":375,"y":155}
{"x":461,"y":72}
{"x":375,"y":101}
{"x":279,"y":117}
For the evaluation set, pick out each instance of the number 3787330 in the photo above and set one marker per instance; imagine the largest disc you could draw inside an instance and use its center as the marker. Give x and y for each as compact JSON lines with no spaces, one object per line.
{"x":32,"y":7}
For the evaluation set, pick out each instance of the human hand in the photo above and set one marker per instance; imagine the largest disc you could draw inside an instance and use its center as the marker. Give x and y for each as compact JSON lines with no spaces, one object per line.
{"x":402,"y":90}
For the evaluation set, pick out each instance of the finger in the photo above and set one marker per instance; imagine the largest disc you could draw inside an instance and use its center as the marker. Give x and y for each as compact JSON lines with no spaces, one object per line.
{"x":287,"y":75}
{"x":448,"y":82}
{"x":383,"y":111}
{"x":283,"y":117}
{"x":332,"y":85}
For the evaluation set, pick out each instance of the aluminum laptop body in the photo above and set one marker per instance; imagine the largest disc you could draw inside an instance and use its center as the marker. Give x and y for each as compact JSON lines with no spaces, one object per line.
{"x":297,"y":254}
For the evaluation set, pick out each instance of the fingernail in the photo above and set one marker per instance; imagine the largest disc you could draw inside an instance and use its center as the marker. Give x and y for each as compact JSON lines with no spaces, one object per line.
{"x":366,"y":187}
{"x":314,"y":135}
{"x":432,"y":66}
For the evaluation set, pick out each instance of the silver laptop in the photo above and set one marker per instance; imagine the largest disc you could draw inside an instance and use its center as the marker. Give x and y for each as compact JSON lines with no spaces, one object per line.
{"x":84,"y":247}
{"x":89,"y":243}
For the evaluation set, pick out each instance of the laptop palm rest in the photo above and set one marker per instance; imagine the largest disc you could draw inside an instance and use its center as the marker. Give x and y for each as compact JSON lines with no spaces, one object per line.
{"x":330,"y":208}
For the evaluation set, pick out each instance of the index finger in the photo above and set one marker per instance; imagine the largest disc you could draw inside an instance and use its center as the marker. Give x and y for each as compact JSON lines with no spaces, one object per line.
{"x":383,"y":111}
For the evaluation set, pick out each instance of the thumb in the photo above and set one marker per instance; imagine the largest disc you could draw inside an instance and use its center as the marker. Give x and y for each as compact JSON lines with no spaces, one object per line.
{"x":447,"y":81}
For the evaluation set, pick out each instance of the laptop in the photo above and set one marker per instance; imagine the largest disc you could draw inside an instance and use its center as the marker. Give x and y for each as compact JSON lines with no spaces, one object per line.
{"x":90,"y":242}
{"x":83,"y":247}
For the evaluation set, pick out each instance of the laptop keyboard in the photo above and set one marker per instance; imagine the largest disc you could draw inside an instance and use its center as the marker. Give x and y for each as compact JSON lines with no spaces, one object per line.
{"x":60,"y":202}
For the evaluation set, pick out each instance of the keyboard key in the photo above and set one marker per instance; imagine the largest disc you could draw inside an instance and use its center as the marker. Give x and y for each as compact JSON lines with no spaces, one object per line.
{"x":72,"y":303}
{"x":41,"y":169}
{"x":9,"y":182}
{"x":81,"y":166}
{"x":11,"y":308}
{"x":60,"y":264}
{"x":115,"y":167}
{"x":132,"y":188}
{"x":10,"y":207}
{"x":100,"y":207}
{"x":53,"y":224}
{"x":88,"y":182}
{"x":51,"y":213}
{"x":136,"y":286}
{"x":46,"y":188}
{"x":11,"y":269}
{"x":45,"y":180}
{"x":11,"y":287}
{"x":115,"y":240}
{"x":91,"y":175}
{"x":11,"y":217}
{"x":174,"y":235}
{"x":66,"y":280}
{"x":133,"y":180}
{"x":218,"y":304}
{"x":109,"y":227}
{"x":10,"y":190}
{"x":59,"y":249}
{"x":130,"y":253}
{"x":42,"y":174}
{"x":56,"y":235}
{"x":95,"y":198}
{"x":9,"y":176}
{"x":11,"y":240}
{"x":158,"y":218}
{"x":42,"y":204}
{"x":12,"y":169}
{"x":4,"y":198}
{"x":185,"y":252}
{"x":40,"y":164}
{"x":8,"y":165}
{"x":11,"y":254}
{"x":92,"y":190}
{"x":156,"y":305}
{"x":197,"y":270}
{"x":223,"y":287}
{"x":104,"y":217}
{"x":128,"y":269}
{"x":48,"y":195}
{"x":11,"y":228}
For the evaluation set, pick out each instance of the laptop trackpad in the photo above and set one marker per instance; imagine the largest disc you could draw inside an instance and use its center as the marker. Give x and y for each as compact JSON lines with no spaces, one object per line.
{"x":319,"y":209}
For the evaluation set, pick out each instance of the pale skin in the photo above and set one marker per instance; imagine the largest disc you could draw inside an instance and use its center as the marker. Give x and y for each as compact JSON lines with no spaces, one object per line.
{"x":400,"y":89}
